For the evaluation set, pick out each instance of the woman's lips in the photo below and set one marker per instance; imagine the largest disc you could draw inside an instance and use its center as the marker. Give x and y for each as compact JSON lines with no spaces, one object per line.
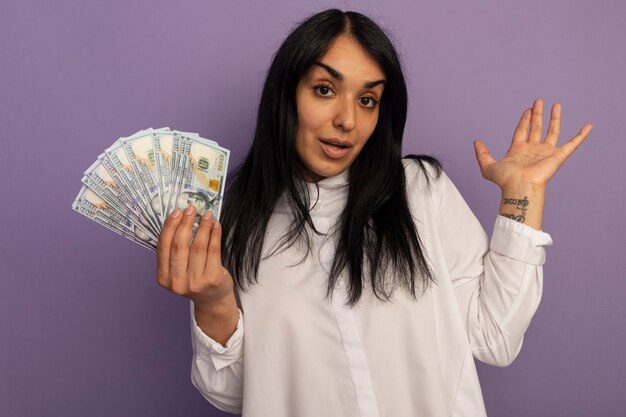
{"x":335,"y":148}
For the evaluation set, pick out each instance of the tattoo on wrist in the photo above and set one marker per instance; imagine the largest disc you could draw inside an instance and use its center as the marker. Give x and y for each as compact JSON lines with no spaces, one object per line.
{"x":520,"y":204}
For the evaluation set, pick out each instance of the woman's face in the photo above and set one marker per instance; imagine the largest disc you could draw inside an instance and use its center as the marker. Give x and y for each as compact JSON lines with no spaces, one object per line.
{"x":338,"y":104}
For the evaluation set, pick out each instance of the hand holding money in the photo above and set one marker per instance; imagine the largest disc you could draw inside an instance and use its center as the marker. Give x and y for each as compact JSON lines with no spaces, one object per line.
{"x":195,"y":271}
{"x":133,"y":187}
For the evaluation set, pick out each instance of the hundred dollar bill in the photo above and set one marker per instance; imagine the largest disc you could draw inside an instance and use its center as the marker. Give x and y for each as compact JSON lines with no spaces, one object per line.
{"x":92,"y":206}
{"x":162,"y":143}
{"x":140,"y":179}
{"x":180,"y":154}
{"x":140,"y":152}
{"x":124,"y":174}
{"x":88,"y":198}
{"x":98,"y":178}
{"x":167,"y":162}
{"x":203,"y":176}
{"x":93,"y":216}
{"x":122,"y":192}
{"x":196,"y":136}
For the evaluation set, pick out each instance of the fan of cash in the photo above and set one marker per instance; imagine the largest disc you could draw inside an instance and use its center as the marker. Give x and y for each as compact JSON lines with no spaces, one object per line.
{"x":140,"y":179}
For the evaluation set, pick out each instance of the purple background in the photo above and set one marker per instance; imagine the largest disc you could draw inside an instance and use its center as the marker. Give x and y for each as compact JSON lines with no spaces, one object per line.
{"x":84,"y":327}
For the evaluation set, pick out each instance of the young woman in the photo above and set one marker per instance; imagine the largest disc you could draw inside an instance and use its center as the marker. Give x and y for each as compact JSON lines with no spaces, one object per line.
{"x":365,"y":284}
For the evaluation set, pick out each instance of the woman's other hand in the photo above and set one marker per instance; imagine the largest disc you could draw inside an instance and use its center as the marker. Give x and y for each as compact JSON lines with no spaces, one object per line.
{"x":530,"y":160}
{"x":194,"y":270}
{"x":529,"y":164}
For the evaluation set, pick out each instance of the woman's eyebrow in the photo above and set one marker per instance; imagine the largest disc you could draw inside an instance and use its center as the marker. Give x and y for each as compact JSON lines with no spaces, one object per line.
{"x":372,"y":84}
{"x":336,"y":74}
{"x":339,"y":76}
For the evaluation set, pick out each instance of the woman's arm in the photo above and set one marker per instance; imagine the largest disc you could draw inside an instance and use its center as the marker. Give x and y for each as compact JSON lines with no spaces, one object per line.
{"x":217,"y":367}
{"x":218,"y":321}
{"x":497,"y":284}
{"x":529,"y":164}
{"x":195,"y":271}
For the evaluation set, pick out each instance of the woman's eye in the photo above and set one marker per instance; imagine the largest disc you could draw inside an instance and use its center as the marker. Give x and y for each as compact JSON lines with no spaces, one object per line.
{"x":323,"y":90}
{"x":367,"y":101}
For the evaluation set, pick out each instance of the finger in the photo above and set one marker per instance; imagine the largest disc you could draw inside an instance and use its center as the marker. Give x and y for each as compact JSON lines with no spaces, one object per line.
{"x":536,"y":122}
{"x":483,"y":156}
{"x":521,"y":131}
{"x":554,"y":128}
{"x":198,"y":250}
{"x":571,"y":145}
{"x":164,"y":245}
{"x":214,"y":255}
{"x":179,"y":253}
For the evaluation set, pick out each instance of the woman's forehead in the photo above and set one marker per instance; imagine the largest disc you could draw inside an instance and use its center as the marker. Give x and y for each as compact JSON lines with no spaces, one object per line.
{"x":345,"y":59}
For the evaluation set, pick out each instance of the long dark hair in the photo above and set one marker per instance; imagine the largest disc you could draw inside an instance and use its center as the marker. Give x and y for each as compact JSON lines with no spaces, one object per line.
{"x":376,"y":225}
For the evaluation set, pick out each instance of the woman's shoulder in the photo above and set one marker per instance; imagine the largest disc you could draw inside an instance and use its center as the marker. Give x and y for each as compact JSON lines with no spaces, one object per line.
{"x":426,"y":183}
{"x":423,"y":172}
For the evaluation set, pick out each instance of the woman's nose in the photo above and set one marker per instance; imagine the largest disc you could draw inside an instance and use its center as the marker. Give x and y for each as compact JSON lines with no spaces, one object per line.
{"x":345,"y":117}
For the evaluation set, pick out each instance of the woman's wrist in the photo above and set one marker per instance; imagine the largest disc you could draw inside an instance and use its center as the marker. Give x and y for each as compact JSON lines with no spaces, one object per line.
{"x":523,"y":203}
{"x":218,"y":320}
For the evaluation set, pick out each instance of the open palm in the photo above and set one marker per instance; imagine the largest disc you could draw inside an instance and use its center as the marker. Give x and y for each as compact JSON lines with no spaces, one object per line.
{"x":529,"y":160}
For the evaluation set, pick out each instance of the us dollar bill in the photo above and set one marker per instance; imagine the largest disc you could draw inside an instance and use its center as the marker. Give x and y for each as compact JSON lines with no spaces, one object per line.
{"x":141,"y":155}
{"x":92,"y":206}
{"x":180,"y":154}
{"x":99,"y":179}
{"x":124,"y":193}
{"x":203,"y":176}
{"x":162,"y":143}
{"x":124,"y":174}
{"x":135,"y":183}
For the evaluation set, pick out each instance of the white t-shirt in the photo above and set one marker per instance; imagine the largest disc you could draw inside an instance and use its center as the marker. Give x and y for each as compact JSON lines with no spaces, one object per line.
{"x":304,"y":355}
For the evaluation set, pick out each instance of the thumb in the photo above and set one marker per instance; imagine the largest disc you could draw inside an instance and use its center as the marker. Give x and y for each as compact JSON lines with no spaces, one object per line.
{"x":483,"y":156}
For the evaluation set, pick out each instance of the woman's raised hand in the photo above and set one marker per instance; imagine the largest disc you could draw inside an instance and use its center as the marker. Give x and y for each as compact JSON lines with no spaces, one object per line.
{"x":530,"y":160}
{"x":195,"y":271}
{"x":529,"y":164}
